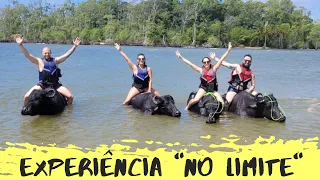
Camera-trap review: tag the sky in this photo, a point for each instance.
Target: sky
(310, 5)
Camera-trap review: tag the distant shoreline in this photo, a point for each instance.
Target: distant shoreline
(141, 44)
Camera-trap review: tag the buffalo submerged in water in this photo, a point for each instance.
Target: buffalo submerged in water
(243, 104)
(44, 102)
(208, 106)
(149, 103)
(257, 106)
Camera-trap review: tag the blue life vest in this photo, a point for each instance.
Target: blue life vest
(141, 80)
(50, 72)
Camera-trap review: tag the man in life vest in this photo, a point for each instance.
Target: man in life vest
(241, 75)
(49, 73)
(142, 76)
(208, 77)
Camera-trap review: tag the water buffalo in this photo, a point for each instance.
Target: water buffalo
(44, 102)
(150, 104)
(207, 106)
(257, 106)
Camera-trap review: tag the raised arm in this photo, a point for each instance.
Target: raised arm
(253, 83)
(131, 65)
(33, 59)
(223, 63)
(196, 68)
(217, 66)
(150, 79)
(62, 58)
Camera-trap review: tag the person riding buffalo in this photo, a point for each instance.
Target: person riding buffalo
(142, 76)
(49, 73)
(241, 75)
(208, 76)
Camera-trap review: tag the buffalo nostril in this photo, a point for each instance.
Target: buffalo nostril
(24, 111)
(211, 119)
(178, 113)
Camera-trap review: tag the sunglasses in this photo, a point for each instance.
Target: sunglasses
(206, 62)
(246, 60)
(141, 58)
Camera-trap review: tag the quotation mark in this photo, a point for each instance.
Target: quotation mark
(178, 155)
(298, 155)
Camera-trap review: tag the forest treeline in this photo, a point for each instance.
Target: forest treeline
(195, 23)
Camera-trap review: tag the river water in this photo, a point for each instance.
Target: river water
(99, 79)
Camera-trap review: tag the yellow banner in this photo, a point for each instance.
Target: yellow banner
(264, 159)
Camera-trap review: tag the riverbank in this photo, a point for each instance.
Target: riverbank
(138, 44)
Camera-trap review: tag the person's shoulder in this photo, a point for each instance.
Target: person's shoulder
(40, 59)
(236, 66)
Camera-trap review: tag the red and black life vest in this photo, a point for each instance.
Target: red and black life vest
(240, 81)
(209, 79)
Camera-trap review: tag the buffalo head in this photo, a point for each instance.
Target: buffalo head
(213, 111)
(267, 106)
(208, 106)
(43, 102)
(164, 105)
(272, 109)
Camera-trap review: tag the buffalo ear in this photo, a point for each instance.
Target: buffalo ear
(50, 92)
(157, 100)
(253, 106)
(169, 98)
(154, 100)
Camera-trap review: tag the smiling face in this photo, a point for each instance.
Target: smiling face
(206, 62)
(141, 59)
(46, 52)
(247, 59)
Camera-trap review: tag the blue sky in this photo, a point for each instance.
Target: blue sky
(311, 5)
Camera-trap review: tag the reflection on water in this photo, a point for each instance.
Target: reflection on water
(101, 82)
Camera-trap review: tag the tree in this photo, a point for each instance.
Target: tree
(209, 23)
(314, 36)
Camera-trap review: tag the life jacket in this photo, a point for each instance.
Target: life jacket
(240, 81)
(209, 79)
(141, 80)
(50, 73)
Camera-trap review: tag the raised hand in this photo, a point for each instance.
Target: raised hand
(19, 39)
(229, 45)
(76, 42)
(212, 55)
(117, 46)
(178, 54)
